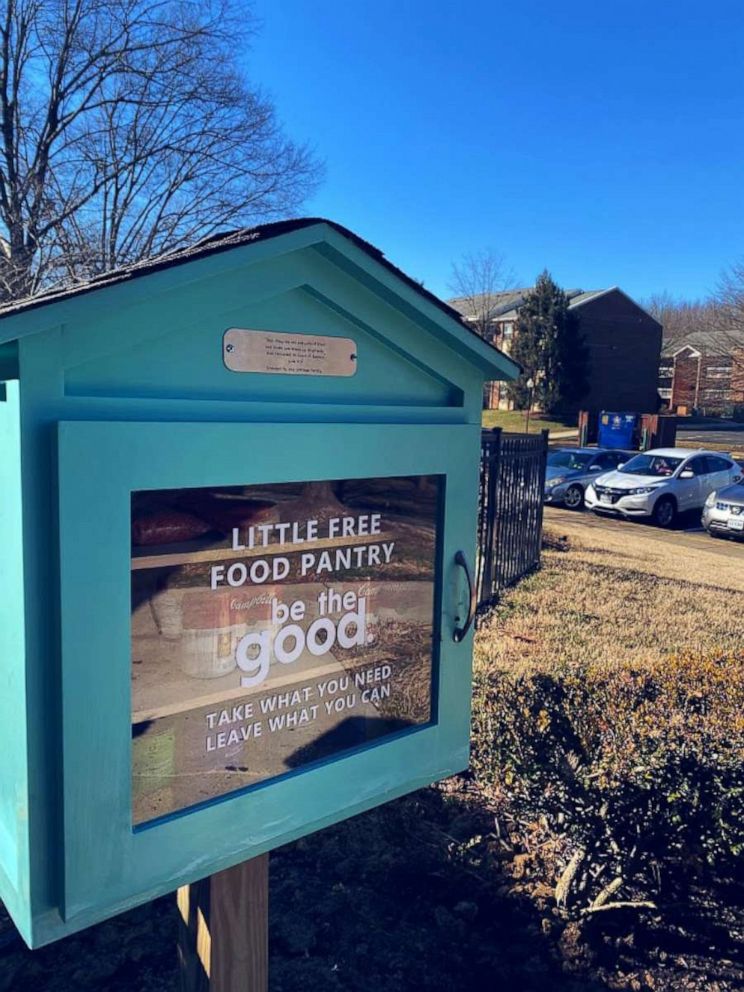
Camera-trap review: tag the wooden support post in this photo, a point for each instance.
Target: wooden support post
(223, 941)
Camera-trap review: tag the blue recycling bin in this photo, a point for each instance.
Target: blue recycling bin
(617, 430)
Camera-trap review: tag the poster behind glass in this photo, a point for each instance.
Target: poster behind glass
(273, 626)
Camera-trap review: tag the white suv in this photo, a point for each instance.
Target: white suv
(662, 483)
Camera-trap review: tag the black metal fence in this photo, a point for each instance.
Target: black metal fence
(510, 510)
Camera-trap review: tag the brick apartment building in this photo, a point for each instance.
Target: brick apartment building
(704, 373)
(623, 341)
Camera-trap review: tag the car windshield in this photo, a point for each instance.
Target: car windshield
(571, 461)
(661, 466)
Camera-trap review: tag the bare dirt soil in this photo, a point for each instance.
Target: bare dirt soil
(420, 895)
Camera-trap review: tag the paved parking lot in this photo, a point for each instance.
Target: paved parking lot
(702, 438)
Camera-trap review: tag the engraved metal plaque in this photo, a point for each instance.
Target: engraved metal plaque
(281, 353)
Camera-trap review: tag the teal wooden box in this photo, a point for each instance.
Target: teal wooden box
(120, 386)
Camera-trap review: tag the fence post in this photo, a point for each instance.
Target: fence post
(541, 505)
(489, 508)
(510, 520)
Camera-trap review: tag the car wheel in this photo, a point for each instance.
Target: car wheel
(574, 498)
(665, 512)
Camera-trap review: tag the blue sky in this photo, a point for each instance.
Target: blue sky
(602, 140)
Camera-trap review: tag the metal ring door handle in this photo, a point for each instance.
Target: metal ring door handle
(460, 632)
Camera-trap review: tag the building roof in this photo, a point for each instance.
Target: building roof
(212, 245)
(506, 305)
(498, 304)
(226, 241)
(705, 342)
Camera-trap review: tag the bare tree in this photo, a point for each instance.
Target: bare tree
(719, 317)
(477, 282)
(681, 318)
(729, 300)
(129, 129)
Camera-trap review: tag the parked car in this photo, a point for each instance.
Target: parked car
(662, 483)
(723, 513)
(570, 470)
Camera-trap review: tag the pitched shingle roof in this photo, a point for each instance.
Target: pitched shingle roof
(506, 304)
(212, 245)
(707, 342)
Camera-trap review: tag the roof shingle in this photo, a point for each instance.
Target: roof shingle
(213, 245)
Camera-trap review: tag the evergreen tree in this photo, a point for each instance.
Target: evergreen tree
(549, 346)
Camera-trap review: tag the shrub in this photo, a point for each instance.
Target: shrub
(633, 765)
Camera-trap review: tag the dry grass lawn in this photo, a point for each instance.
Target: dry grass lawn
(608, 738)
(618, 595)
(516, 421)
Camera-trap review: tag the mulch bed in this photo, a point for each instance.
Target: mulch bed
(422, 895)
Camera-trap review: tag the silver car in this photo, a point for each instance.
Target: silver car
(662, 483)
(723, 513)
(570, 470)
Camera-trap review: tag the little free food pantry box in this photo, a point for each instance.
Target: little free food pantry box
(238, 492)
